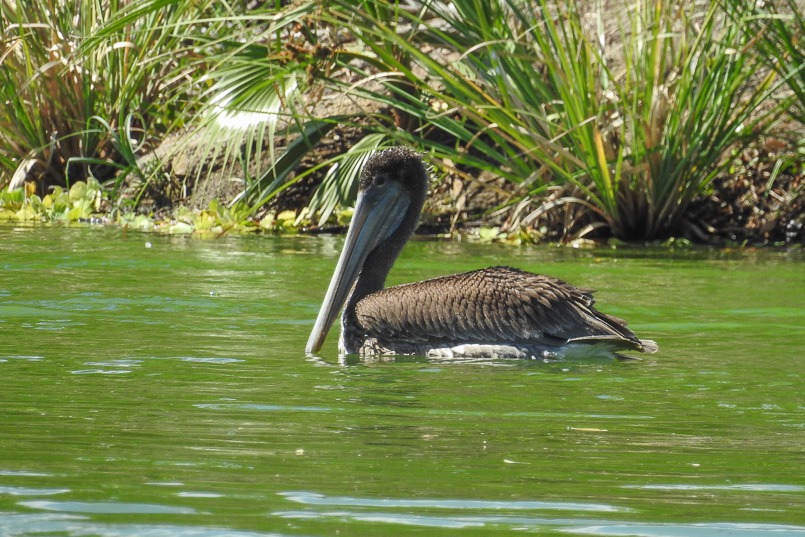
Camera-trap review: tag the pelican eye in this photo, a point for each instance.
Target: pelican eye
(380, 179)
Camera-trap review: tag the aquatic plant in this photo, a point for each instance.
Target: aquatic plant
(88, 202)
(82, 201)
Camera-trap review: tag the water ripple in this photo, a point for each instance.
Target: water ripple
(206, 360)
(387, 518)
(25, 491)
(24, 525)
(123, 362)
(566, 525)
(229, 406)
(99, 371)
(108, 507)
(312, 498)
(711, 529)
(194, 494)
(764, 487)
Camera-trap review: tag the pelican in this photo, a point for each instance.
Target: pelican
(492, 312)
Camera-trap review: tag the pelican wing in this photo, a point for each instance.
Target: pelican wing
(494, 305)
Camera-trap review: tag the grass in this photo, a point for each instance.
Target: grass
(779, 31)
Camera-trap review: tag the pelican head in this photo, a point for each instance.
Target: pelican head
(391, 194)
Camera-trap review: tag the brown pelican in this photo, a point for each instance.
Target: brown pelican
(492, 312)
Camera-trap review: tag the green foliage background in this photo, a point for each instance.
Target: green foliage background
(624, 110)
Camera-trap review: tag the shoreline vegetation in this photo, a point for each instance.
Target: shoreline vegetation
(643, 121)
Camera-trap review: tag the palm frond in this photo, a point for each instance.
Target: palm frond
(340, 184)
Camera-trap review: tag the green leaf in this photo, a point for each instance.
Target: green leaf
(340, 184)
(274, 179)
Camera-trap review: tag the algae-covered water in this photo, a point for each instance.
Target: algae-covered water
(156, 385)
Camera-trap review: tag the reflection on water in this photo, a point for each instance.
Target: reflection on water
(568, 525)
(565, 525)
(706, 529)
(25, 491)
(19, 525)
(220, 406)
(191, 494)
(320, 499)
(165, 391)
(106, 507)
(749, 486)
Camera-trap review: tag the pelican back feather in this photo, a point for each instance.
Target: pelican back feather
(494, 305)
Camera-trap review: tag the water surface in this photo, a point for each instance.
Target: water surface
(156, 385)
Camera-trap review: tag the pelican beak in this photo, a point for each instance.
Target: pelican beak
(379, 211)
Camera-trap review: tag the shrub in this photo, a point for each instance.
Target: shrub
(637, 106)
(72, 111)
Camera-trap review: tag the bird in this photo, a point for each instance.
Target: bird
(497, 312)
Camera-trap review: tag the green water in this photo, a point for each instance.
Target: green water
(158, 386)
